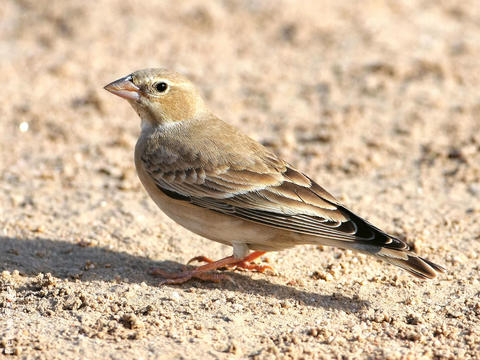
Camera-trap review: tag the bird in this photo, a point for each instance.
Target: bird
(214, 180)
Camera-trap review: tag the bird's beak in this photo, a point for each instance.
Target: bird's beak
(124, 88)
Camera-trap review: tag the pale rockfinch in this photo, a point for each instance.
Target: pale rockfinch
(217, 182)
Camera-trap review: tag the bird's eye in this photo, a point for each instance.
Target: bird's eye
(161, 87)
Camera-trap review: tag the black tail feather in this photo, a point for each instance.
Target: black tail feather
(415, 265)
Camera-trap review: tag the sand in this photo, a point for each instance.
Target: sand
(377, 101)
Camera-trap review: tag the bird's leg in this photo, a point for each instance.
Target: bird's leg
(201, 272)
(246, 262)
(200, 258)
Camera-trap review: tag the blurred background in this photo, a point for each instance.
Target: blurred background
(301, 76)
(377, 100)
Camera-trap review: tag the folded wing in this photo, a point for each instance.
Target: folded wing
(274, 194)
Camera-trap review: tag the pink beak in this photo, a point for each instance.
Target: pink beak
(124, 88)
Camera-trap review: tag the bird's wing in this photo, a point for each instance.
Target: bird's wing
(267, 191)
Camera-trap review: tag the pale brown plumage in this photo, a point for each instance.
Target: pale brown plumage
(219, 183)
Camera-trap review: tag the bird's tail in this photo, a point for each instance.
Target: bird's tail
(414, 264)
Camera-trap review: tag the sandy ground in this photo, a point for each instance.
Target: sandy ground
(378, 101)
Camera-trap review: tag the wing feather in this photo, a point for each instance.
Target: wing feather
(256, 186)
(289, 206)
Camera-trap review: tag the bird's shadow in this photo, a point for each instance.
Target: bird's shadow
(66, 260)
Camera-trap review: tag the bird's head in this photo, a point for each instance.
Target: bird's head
(159, 96)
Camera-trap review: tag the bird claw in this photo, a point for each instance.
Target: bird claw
(200, 258)
(203, 272)
(246, 265)
(255, 267)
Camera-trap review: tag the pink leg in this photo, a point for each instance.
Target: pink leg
(198, 273)
(245, 263)
(201, 272)
(200, 258)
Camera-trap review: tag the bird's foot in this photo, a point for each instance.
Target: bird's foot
(202, 272)
(252, 266)
(245, 263)
(248, 264)
(200, 258)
